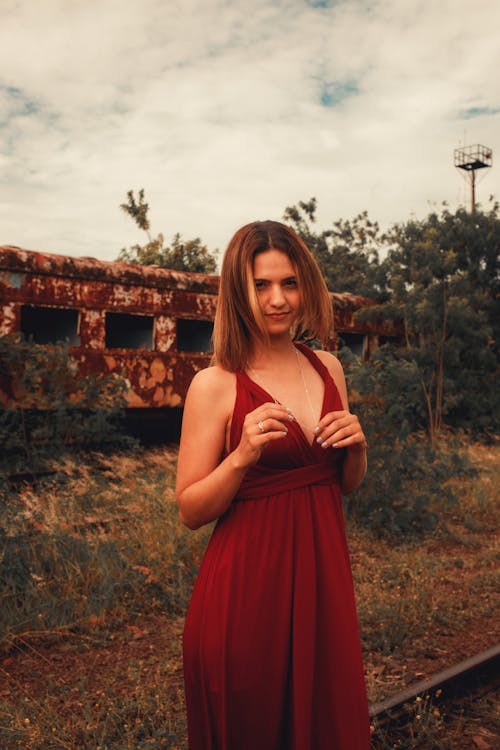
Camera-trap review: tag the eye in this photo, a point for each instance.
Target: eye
(291, 283)
(260, 284)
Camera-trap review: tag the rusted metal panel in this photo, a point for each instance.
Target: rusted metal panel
(92, 329)
(9, 317)
(157, 376)
(90, 269)
(52, 290)
(345, 321)
(153, 379)
(165, 333)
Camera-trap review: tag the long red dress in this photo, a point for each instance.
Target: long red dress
(272, 657)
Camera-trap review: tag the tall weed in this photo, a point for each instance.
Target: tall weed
(97, 541)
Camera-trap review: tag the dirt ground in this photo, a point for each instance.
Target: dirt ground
(70, 674)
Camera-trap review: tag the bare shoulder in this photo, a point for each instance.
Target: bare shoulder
(331, 362)
(213, 379)
(215, 386)
(334, 366)
(208, 409)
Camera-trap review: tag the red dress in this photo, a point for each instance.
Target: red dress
(272, 657)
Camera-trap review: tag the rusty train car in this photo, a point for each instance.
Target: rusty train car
(151, 325)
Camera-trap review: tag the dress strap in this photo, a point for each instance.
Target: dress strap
(313, 358)
(334, 400)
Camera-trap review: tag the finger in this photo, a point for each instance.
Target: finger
(261, 439)
(349, 423)
(330, 437)
(270, 411)
(340, 442)
(270, 424)
(341, 430)
(278, 409)
(332, 416)
(274, 435)
(343, 439)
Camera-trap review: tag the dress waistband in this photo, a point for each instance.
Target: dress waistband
(271, 481)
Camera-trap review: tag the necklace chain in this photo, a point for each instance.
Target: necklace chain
(306, 389)
(304, 383)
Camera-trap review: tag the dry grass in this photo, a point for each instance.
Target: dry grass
(423, 606)
(101, 572)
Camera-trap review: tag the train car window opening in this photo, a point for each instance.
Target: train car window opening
(356, 342)
(50, 325)
(194, 335)
(394, 340)
(124, 331)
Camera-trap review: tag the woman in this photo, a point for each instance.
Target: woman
(272, 658)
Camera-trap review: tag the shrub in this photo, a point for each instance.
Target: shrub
(408, 486)
(46, 405)
(410, 478)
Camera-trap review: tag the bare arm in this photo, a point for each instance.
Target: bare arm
(344, 430)
(207, 482)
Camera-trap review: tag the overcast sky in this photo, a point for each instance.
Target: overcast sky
(226, 111)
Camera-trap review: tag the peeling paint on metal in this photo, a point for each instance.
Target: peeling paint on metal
(165, 330)
(9, 318)
(92, 329)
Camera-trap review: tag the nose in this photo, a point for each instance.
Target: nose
(277, 296)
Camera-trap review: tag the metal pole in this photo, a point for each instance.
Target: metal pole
(473, 191)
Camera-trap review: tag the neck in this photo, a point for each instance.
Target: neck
(266, 354)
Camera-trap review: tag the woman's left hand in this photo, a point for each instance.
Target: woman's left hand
(340, 429)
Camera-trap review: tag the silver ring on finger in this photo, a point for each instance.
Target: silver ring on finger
(260, 425)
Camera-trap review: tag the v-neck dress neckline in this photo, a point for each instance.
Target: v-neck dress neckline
(324, 374)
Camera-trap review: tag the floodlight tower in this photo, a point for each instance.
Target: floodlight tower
(470, 159)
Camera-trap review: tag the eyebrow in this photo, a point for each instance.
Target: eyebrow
(285, 278)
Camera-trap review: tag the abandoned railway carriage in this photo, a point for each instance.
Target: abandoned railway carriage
(152, 325)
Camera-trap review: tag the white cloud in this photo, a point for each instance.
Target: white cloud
(216, 108)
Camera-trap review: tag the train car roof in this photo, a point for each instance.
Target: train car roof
(49, 264)
(16, 259)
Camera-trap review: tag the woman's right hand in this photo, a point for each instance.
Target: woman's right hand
(261, 426)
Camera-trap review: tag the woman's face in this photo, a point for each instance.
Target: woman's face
(277, 289)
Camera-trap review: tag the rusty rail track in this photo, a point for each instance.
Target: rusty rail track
(475, 676)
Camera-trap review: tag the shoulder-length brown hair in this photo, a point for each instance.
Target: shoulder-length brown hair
(238, 319)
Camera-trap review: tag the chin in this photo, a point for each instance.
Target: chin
(279, 330)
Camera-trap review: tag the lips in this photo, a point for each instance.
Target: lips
(277, 316)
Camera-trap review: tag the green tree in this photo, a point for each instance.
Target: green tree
(443, 275)
(181, 255)
(348, 252)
